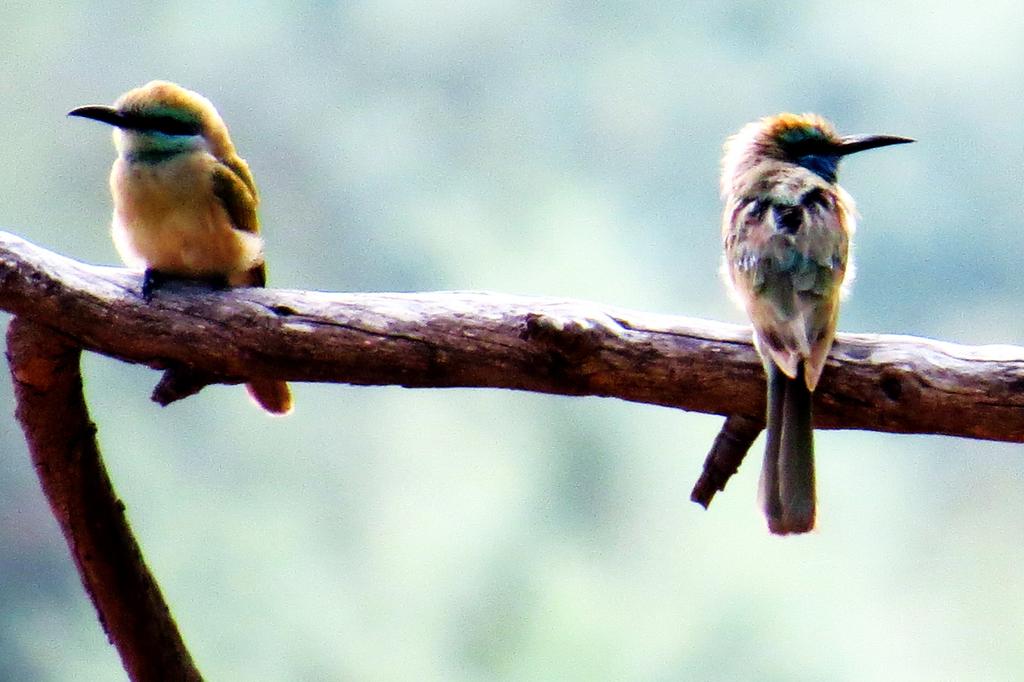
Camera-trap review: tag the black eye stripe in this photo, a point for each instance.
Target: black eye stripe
(167, 125)
(807, 147)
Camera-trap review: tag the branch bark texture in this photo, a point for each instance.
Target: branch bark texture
(62, 439)
(875, 382)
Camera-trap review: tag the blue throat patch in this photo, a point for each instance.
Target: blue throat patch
(824, 165)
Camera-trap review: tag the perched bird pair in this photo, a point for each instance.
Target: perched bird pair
(786, 232)
(185, 206)
(184, 201)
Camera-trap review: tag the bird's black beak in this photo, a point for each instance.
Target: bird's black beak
(859, 143)
(101, 113)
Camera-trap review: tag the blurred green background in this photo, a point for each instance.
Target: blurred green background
(561, 149)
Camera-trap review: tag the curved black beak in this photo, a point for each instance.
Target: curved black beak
(101, 113)
(852, 144)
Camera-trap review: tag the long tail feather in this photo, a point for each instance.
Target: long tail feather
(273, 396)
(796, 459)
(769, 486)
(787, 479)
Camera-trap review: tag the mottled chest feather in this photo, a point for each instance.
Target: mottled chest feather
(788, 243)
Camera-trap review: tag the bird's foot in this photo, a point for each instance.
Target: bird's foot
(156, 279)
(151, 281)
(217, 282)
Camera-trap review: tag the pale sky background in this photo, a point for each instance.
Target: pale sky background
(559, 149)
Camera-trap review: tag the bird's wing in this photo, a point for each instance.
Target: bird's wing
(240, 168)
(788, 260)
(238, 199)
(825, 239)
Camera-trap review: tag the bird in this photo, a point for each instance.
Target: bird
(184, 200)
(787, 227)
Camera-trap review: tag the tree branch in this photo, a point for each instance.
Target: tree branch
(876, 382)
(62, 439)
(737, 434)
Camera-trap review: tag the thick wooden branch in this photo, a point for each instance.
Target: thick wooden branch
(876, 382)
(737, 434)
(62, 439)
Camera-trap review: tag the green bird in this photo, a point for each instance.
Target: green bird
(786, 232)
(184, 201)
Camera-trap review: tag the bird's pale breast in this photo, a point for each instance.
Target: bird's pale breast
(167, 217)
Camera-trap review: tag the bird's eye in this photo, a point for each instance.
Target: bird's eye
(161, 123)
(798, 143)
(804, 147)
(170, 125)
